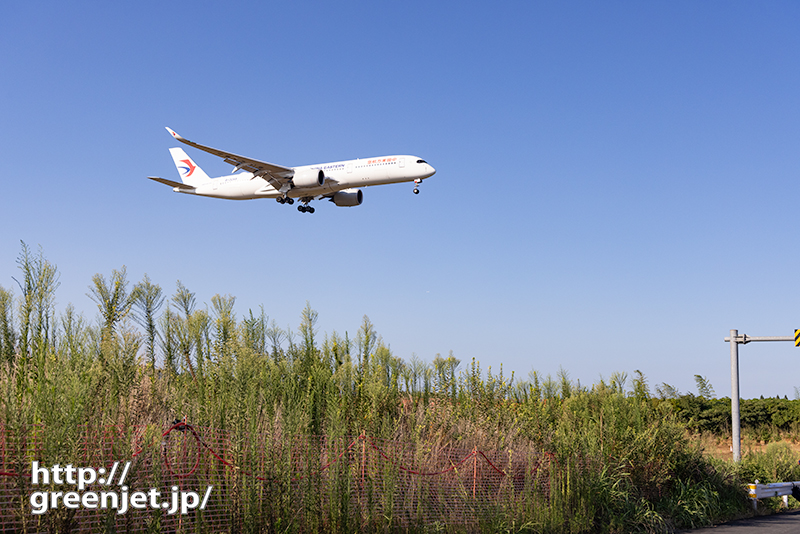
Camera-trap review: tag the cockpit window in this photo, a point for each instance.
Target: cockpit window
(421, 161)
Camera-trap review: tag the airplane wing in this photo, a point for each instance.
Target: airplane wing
(171, 183)
(276, 175)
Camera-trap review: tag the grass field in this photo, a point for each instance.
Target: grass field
(623, 461)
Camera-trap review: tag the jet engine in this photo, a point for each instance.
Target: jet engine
(308, 178)
(348, 197)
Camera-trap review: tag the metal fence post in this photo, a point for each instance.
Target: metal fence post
(474, 468)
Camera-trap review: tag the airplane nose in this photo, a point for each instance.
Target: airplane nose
(431, 170)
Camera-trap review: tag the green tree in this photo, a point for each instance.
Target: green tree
(565, 383)
(704, 388)
(113, 300)
(276, 336)
(149, 299)
(366, 341)
(185, 301)
(666, 391)
(445, 369)
(224, 321)
(308, 332)
(254, 332)
(170, 344)
(7, 335)
(200, 333)
(640, 388)
(75, 336)
(37, 306)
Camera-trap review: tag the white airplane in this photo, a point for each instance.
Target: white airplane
(337, 181)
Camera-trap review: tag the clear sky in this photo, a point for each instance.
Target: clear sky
(616, 186)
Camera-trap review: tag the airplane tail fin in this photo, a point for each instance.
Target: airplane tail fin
(190, 173)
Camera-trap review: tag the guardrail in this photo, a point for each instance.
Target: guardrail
(776, 489)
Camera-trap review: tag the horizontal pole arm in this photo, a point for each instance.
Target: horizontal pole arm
(744, 339)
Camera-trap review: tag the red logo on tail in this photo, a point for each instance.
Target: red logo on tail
(189, 169)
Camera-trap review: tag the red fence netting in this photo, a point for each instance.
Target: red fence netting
(305, 480)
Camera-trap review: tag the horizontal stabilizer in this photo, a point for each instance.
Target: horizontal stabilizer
(172, 183)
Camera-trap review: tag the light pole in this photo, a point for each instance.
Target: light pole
(735, 429)
(735, 340)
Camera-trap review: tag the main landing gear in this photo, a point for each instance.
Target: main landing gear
(416, 186)
(304, 207)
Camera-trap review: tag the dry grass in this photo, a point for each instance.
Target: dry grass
(720, 448)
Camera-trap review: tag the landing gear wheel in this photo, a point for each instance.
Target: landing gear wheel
(301, 209)
(310, 209)
(290, 201)
(280, 200)
(416, 191)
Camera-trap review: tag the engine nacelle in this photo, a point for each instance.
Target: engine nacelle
(308, 178)
(348, 197)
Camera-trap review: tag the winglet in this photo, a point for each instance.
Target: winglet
(174, 134)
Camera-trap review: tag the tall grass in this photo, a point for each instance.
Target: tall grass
(617, 460)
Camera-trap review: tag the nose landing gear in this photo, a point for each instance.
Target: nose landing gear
(416, 186)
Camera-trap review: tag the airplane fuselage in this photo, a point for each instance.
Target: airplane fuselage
(339, 175)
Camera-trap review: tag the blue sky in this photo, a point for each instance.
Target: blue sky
(616, 182)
